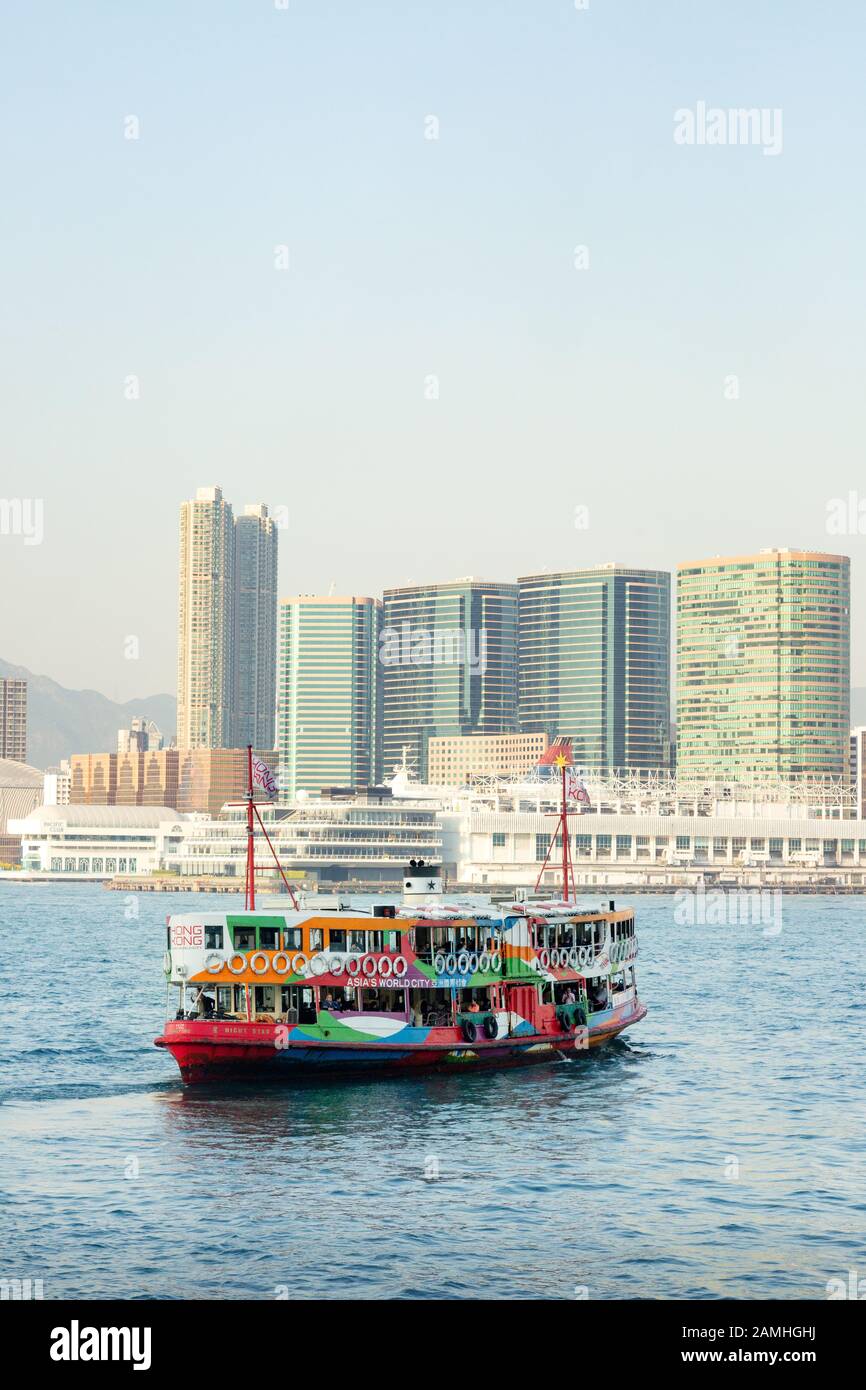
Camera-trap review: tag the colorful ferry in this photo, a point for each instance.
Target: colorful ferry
(427, 985)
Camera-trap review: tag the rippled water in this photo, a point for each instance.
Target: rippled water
(716, 1151)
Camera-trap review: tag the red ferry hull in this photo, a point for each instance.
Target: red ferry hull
(210, 1052)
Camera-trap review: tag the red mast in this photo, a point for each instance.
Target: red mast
(251, 849)
(563, 762)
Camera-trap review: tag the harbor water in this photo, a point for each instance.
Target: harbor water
(715, 1151)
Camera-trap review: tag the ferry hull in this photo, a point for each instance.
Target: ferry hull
(253, 1054)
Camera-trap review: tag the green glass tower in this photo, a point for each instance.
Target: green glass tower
(448, 656)
(763, 678)
(594, 654)
(329, 693)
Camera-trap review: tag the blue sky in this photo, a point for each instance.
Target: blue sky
(411, 258)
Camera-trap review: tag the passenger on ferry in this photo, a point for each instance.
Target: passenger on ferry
(569, 997)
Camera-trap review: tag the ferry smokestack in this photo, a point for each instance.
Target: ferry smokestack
(422, 880)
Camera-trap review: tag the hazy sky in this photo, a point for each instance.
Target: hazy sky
(603, 387)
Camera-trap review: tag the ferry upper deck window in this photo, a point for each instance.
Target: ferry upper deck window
(269, 936)
(316, 938)
(357, 942)
(293, 938)
(337, 939)
(213, 938)
(245, 938)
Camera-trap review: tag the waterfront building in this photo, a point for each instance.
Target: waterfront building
(448, 655)
(13, 719)
(206, 622)
(93, 780)
(763, 665)
(594, 659)
(94, 842)
(363, 839)
(329, 693)
(255, 642)
(455, 761)
(20, 793)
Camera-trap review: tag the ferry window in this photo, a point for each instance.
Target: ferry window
(375, 939)
(224, 999)
(245, 938)
(356, 942)
(316, 938)
(269, 936)
(337, 939)
(392, 941)
(292, 936)
(213, 938)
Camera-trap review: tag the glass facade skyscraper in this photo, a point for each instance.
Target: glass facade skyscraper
(255, 653)
(329, 693)
(448, 656)
(594, 655)
(763, 670)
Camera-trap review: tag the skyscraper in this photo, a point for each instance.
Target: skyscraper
(205, 649)
(594, 650)
(329, 693)
(448, 655)
(763, 673)
(255, 642)
(13, 719)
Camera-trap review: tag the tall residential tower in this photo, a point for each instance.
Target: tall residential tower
(206, 618)
(595, 663)
(763, 668)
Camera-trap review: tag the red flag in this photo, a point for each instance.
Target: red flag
(558, 754)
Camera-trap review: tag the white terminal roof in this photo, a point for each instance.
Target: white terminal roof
(15, 774)
(147, 817)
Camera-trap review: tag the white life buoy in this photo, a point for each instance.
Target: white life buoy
(473, 962)
(166, 962)
(554, 958)
(335, 965)
(237, 969)
(318, 964)
(400, 965)
(353, 965)
(368, 961)
(451, 964)
(439, 963)
(463, 963)
(484, 962)
(544, 957)
(385, 965)
(572, 958)
(277, 963)
(496, 962)
(296, 968)
(259, 955)
(584, 955)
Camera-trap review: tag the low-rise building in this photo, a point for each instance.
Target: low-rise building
(454, 761)
(94, 842)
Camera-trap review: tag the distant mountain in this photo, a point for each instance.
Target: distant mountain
(61, 721)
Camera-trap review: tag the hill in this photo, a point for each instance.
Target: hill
(61, 721)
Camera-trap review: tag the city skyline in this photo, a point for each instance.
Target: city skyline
(691, 379)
